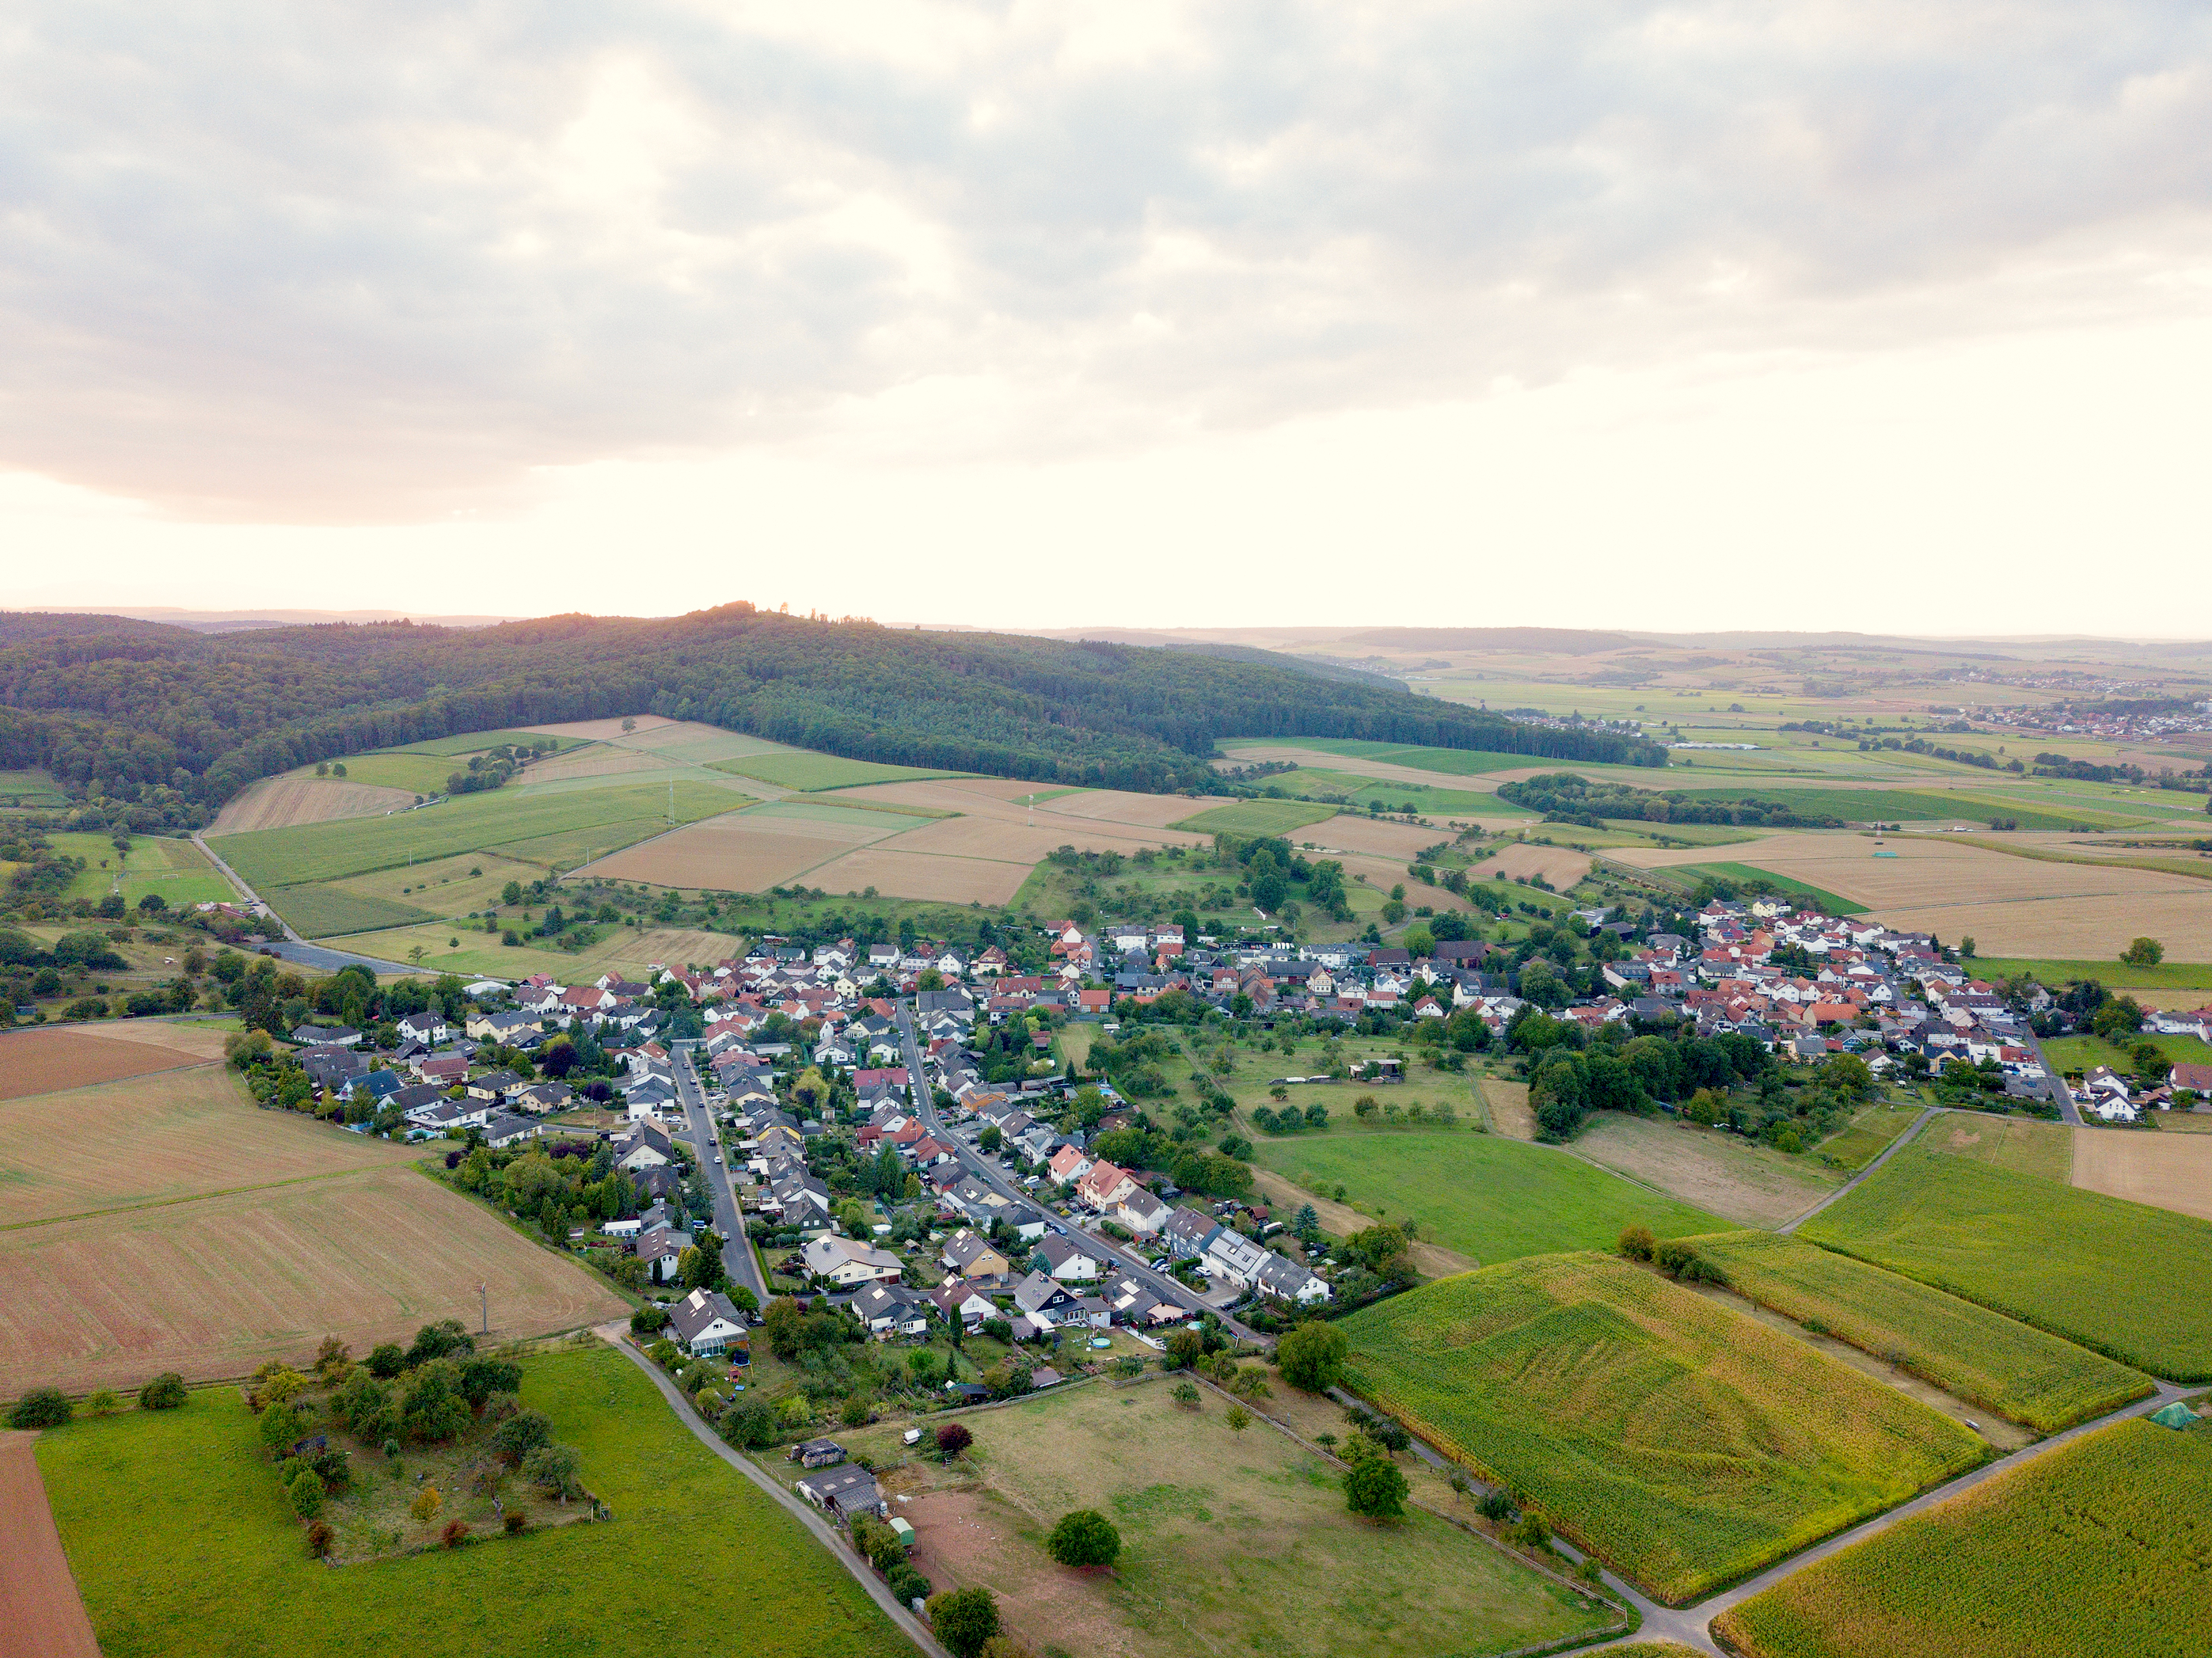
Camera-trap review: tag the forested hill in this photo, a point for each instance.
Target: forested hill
(180, 721)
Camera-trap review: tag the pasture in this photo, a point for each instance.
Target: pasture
(1490, 1198)
(1230, 1541)
(1725, 1175)
(182, 1542)
(2011, 1367)
(1859, 1142)
(2011, 907)
(1829, 902)
(1684, 1443)
(2119, 1277)
(213, 1286)
(177, 871)
(2095, 1548)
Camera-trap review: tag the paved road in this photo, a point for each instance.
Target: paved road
(292, 947)
(729, 1217)
(1691, 1624)
(1888, 1152)
(2060, 1094)
(1099, 1248)
(806, 1513)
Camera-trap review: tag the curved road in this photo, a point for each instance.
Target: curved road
(291, 947)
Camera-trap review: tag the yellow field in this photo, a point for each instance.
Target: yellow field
(287, 802)
(1721, 1174)
(2010, 906)
(1561, 866)
(2043, 1149)
(2168, 1171)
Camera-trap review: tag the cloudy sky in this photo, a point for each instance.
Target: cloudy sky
(1843, 313)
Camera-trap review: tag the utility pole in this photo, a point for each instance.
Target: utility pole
(484, 1298)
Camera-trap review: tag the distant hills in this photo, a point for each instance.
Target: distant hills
(169, 722)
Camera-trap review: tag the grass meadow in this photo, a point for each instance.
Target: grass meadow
(2122, 1279)
(1230, 1542)
(177, 869)
(1828, 902)
(321, 912)
(2028, 1374)
(1485, 1196)
(2098, 1547)
(184, 1546)
(2113, 975)
(1684, 1443)
(1257, 817)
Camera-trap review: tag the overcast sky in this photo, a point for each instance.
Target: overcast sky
(1883, 315)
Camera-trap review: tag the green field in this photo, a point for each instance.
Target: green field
(563, 826)
(1361, 790)
(1915, 805)
(797, 770)
(1485, 1196)
(30, 788)
(184, 1546)
(2114, 975)
(323, 912)
(2073, 1054)
(1786, 885)
(2006, 1366)
(469, 743)
(1452, 762)
(2021, 1145)
(1256, 817)
(175, 869)
(418, 773)
(2097, 1548)
(1868, 1134)
(2124, 1279)
(1684, 1443)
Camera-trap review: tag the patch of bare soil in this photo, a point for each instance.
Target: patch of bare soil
(2168, 1172)
(56, 1057)
(41, 1615)
(970, 1536)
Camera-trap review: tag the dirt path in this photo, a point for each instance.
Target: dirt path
(1433, 1259)
(1888, 1152)
(41, 1614)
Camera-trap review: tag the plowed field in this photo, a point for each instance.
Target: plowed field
(287, 802)
(68, 1056)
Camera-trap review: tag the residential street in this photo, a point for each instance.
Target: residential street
(729, 1218)
(1099, 1247)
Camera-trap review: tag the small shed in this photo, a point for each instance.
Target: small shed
(903, 1531)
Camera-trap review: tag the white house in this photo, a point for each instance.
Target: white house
(843, 1261)
(706, 1322)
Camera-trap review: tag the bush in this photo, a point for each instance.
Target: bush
(426, 1504)
(482, 1377)
(1529, 1533)
(1637, 1243)
(908, 1584)
(102, 1401)
(953, 1438)
(319, 1539)
(963, 1619)
(306, 1492)
(455, 1533)
(516, 1521)
(1186, 1394)
(1496, 1506)
(42, 1407)
(386, 1361)
(1084, 1538)
(166, 1391)
(1374, 1487)
(645, 1320)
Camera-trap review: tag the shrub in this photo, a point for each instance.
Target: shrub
(102, 1401)
(456, 1531)
(306, 1492)
(645, 1320)
(319, 1539)
(387, 1360)
(1637, 1243)
(42, 1407)
(482, 1377)
(908, 1584)
(1374, 1487)
(516, 1521)
(519, 1434)
(1085, 1537)
(1497, 1506)
(953, 1438)
(426, 1504)
(1186, 1394)
(1529, 1533)
(166, 1391)
(963, 1619)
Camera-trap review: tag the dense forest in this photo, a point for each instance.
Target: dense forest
(171, 722)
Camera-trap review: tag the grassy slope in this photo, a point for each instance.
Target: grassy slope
(1914, 806)
(799, 769)
(1485, 1196)
(1686, 1443)
(2122, 1279)
(183, 1545)
(1788, 885)
(2097, 1548)
(2011, 1367)
(2080, 1053)
(1256, 817)
(2114, 975)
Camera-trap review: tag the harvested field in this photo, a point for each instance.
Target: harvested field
(56, 1057)
(746, 850)
(604, 731)
(1724, 1174)
(1683, 1443)
(2011, 906)
(2096, 1548)
(1398, 841)
(2168, 1171)
(1561, 866)
(157, 1138)
(1121, 806)
(1387, 771)
(929, 875)
(39, 1607)
(690, 743)
(1009, 840)
(213, 1287)
(598, 760)
(2047, 1150)
(662, 946)
(1230, 1542)
(1510, 1113)
(277, 803)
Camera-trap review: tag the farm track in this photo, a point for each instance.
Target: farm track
(1888, 1152)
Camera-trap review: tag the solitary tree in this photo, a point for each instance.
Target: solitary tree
(1374, 1488)
(963, 1619)
(1239, 1418)
(2143, 952)
(1084, 1538)
(953, 1438)
(1312, 1356)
